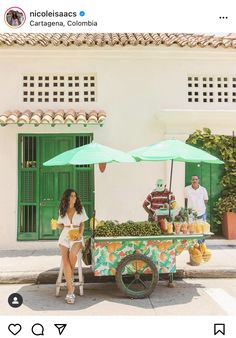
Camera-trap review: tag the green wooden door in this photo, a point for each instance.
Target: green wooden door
(53, 181)
(210, 175)
(40, 188)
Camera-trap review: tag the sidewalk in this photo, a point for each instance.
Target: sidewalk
(42, 266)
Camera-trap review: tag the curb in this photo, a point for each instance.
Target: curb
(49, 277)
(208, 273)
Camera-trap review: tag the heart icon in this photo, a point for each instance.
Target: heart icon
(14, 328)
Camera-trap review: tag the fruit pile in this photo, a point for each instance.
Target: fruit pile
(199, 253)
(129, 228)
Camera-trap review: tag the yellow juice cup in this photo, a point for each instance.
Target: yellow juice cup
(169, 228)
(198, 228)
(53, 224)
(203, 227)
(207, 228)
(194, 227)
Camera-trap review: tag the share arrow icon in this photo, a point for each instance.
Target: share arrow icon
(61, 328)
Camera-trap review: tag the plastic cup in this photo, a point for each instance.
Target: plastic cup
(203, 228)
(53, 224)
(198, 228)
(177, 228)
(185, 228)
(207, 228)
(191, 228)
(169, 228)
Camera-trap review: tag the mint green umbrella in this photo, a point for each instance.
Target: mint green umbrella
(92, 153)
(173, 150)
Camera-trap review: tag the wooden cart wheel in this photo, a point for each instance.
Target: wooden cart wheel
(136, 276)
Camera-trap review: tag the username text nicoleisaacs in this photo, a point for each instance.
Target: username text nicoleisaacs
(52, 14)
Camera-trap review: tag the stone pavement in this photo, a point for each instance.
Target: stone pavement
(41, 266)
(191, 296)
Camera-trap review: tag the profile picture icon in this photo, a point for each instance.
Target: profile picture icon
(15, 17)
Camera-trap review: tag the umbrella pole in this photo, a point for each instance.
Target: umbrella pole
(171, 173)
(94, 215)
(94, 211)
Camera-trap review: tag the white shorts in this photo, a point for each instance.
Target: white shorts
(65, 241)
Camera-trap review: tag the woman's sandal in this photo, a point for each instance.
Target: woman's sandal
(70, 298)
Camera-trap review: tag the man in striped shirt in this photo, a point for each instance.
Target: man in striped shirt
(157, 199)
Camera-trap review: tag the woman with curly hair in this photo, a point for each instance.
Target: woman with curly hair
(71, 215)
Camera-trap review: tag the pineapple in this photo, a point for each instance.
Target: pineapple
(206, 256)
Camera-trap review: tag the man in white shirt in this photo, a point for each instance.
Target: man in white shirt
(196, 197)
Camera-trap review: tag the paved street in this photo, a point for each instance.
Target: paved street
(189, 297)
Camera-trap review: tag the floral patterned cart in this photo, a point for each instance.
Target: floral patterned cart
(136, 262)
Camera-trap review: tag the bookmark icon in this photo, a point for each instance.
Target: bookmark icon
(61, 328)
(219, 328)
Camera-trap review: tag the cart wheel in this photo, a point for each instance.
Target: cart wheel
(136, 276)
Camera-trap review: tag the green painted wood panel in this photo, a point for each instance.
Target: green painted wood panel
(27, 188)
(53, 182)
(210, 176)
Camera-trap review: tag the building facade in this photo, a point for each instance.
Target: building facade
(121, 90)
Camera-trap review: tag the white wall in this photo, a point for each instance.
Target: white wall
(143, 91)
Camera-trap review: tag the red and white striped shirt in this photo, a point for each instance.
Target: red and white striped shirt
(156, 199)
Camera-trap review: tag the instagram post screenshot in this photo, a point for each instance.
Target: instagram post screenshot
(118, 169)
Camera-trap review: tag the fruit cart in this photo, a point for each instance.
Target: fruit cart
(136, 262)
